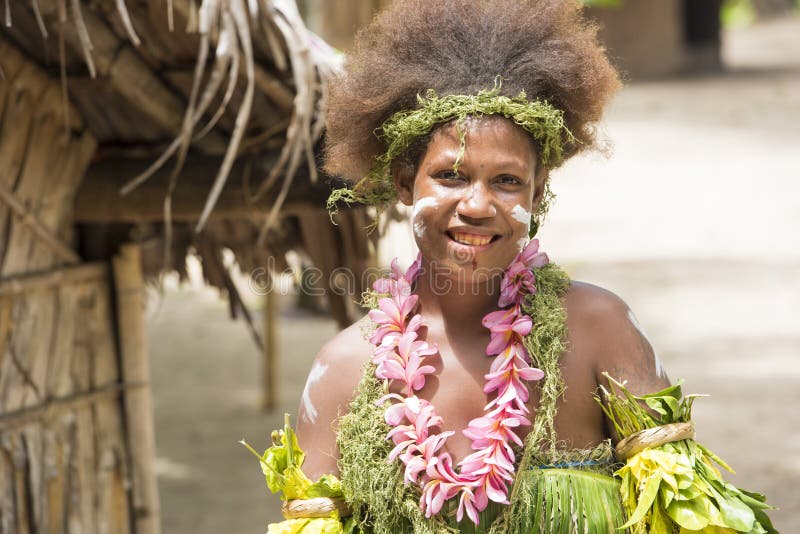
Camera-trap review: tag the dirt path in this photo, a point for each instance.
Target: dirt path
(694, 221)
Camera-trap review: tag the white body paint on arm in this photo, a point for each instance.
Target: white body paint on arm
(310, 413)
(635, 322)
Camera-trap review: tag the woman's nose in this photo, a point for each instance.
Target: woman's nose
(477, 203)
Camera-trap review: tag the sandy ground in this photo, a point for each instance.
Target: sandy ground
(694, 221)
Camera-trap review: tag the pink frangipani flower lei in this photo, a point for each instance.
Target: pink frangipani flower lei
(399, 355)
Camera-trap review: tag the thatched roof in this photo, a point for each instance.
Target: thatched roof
(207, 115)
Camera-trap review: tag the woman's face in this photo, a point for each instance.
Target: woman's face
(475, 219)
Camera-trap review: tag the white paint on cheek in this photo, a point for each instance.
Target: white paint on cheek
(421, 205)
(635, 322)
(419, 229)
(309, 410)
(521, 214)
(522, 243)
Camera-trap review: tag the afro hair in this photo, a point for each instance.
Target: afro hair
(542, 47)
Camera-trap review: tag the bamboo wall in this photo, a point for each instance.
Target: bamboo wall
(63, 446)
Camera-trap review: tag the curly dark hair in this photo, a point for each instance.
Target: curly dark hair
(543, 47)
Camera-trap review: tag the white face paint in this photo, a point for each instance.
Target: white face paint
(419, 229)
(309, 411)
(522, 243)
(521, 214)
(635, 322)
(421, 205)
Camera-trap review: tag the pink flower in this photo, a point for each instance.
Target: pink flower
(391, 316)
(413, 269)
(497, 456)
(508, 381)
(411, 273)
(407, 436)
(395, 413)
(412, 354)
(422, 456)
(471, 503)
(397, 281)
(499, 424)
(513, 354)
(436, 491)
(496, 487)
(519, 279)
(503, 325)
(383, 285)
(419, 413)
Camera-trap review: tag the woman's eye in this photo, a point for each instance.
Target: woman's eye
(449, 175)
(509, 180)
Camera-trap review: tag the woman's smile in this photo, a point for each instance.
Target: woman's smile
(470, 239)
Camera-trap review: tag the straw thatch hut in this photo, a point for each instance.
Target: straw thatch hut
(131, 132)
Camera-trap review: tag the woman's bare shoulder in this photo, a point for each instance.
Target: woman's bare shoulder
(330, 386)
(590, 302)
(336, 370)
(610, 339)
(349, 349)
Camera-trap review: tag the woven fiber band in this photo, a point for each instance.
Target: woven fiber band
(319, 507)
(653, 437)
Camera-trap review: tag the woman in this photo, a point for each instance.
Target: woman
(478, 365)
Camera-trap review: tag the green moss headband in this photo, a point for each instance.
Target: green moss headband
(540, 119)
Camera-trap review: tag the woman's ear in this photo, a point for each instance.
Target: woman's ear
(403, 177)
(539, 182)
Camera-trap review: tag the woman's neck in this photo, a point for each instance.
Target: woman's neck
(460, 299)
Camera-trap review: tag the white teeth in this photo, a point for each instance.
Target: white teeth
(472, 239)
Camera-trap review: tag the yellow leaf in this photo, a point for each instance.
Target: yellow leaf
(320, 525)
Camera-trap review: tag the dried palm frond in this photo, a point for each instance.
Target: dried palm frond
(225, 64)
(242, 25)
(311, 61)
(233, 19)
(83, 36)
(170, 15)
(37, 13)
(62, 62)
(125, 17)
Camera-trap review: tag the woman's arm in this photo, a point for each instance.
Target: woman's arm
(329, 388)
(615, 341)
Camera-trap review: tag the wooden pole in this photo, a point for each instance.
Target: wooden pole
(270, 353)
(129, 285)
